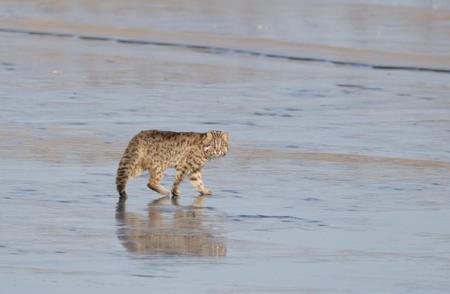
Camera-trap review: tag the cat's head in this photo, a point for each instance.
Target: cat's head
(215, 143)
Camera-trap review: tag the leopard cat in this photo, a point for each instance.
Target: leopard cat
(155, 151)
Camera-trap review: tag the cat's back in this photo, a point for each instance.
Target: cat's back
(157, 137)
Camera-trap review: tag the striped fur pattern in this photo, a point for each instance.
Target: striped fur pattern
(155, 151)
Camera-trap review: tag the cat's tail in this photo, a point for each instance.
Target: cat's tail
(129, 168)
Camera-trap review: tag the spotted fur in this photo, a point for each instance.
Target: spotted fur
(155, 151)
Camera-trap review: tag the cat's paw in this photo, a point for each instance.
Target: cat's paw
(176, 192)
(206, 192)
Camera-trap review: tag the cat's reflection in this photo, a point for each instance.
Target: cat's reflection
(169, 229)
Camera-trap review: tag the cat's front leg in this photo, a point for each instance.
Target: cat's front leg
(197, 181)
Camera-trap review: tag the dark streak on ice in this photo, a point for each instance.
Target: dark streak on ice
(224, 50)
(282, 218)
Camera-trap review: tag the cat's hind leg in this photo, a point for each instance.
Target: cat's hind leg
(154, 182)
(197, 181)
(181, 173)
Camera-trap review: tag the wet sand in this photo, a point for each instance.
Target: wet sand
(337, 177)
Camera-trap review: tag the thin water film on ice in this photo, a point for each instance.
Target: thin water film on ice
(337, 174)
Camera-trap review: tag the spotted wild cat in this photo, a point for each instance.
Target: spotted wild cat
(155, 151)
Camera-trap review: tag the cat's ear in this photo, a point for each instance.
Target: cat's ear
(209, 136)
(225, 136)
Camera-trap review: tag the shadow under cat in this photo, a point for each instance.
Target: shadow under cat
(170, 229)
